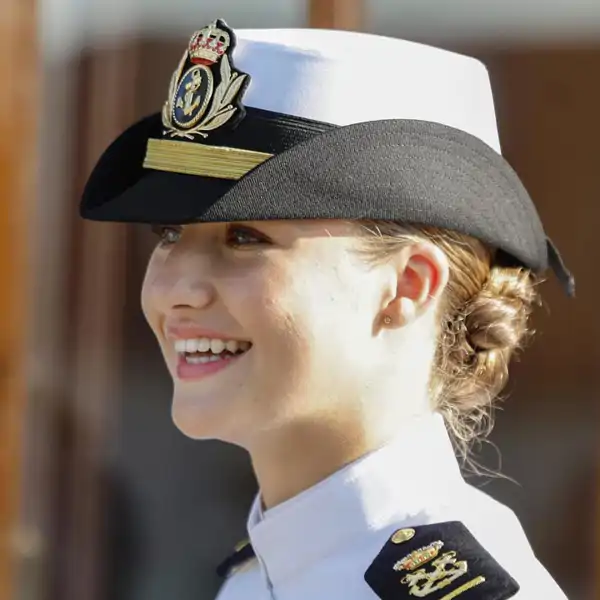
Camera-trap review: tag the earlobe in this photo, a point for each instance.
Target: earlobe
(405, 312)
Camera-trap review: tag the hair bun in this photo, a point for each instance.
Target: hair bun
(496, 318)
(480, 341)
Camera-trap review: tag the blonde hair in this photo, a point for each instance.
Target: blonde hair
(483, 320)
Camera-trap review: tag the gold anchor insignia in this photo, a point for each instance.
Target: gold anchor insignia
(190, 101)
(189, 98)
(192, 92)
(445, 570)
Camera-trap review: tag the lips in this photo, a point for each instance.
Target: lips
(192, 370)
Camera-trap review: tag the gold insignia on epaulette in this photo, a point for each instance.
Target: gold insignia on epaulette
(441, 561)
(419, 557)
(205, 90)
(441, 572)
(403, 535)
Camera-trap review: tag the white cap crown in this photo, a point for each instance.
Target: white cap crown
(344, 77)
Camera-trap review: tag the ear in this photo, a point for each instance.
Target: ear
(422, 272)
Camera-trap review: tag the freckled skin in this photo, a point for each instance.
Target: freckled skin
(294, 298)
(323, 382)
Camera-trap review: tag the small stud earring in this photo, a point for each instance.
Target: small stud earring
(387, 320)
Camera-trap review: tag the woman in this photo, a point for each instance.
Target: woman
(341, 278)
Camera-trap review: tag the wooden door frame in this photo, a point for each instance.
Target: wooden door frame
(19, 103)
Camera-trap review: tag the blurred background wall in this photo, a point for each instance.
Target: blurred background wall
(114, 501)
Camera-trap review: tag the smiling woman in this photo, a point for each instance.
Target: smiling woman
(344, 307)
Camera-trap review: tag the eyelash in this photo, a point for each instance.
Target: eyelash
(251, 236)
(255, 236)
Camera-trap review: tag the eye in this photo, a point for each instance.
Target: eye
(241, 235)
(168, 234)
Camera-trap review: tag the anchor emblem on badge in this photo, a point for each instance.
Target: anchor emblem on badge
(205, 90)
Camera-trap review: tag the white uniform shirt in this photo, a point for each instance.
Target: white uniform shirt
(318, 545)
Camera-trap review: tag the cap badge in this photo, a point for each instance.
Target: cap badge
(205, 90)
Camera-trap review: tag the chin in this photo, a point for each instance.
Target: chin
(211, 418)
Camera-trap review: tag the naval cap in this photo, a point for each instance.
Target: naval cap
(319, 124)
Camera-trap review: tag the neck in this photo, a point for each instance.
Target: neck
(293, 459)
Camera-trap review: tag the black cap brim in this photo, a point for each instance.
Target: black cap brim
(411, 171)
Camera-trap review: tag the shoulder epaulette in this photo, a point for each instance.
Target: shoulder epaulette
(442, 561)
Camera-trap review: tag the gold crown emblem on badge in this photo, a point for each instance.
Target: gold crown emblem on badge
(419, 557)
(209, 44)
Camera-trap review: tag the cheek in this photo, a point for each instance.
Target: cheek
(259, 298)
(296, 315)
(330, 311)
(150, 293)
(265, 301)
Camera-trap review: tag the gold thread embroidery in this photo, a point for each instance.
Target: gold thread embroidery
(221, 109)
(192, 103)
(200, 159)
(184, 113)
(419, 557)
(421, 583)
(464, 588)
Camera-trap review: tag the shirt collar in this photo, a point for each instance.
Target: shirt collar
(387, 486)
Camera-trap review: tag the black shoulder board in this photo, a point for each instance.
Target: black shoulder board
(438, 562)
(243, 552)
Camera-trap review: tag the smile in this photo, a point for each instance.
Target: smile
(200, 357)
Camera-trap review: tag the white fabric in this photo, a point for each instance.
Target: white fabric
(319, 544)
(343, 77)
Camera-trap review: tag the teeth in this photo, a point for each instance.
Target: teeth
(198, 360)
(232, 346)
(203, 345)
(216, 346)
(202, 360)
(191, 345)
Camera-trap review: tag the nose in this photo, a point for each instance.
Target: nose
(183, 282)
(189, 293)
